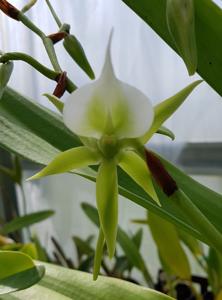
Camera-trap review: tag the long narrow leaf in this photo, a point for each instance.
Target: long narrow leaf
(25, 221)
(65, 284)
(208, 23)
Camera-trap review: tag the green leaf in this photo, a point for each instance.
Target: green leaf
(25, 221)
(193, 244)
(35, 133)
(165, 109)
(137, 238)
(65, 284)
(181, 25)
(208, 23)
(30, 249)
(107, 202)
(42, 254)
(83, 247)
(168, 244)
(17, 272)
(214, 269)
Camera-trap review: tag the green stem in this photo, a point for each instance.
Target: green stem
(98, 254)
(46, 41)
(51, 53)
(198, 219)
(55, 16)
(38, 66)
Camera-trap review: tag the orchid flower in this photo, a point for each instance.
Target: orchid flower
(113, 120)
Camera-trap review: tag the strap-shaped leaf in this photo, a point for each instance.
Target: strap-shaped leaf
(181, 25)
(17, 272)
(165, 109)
(65, 284)
(168, 244)
(69, 160)
(136, 168)
(107, 202)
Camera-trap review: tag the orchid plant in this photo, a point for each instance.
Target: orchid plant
(113, 120)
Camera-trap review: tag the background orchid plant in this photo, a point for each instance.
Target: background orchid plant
(113, 120)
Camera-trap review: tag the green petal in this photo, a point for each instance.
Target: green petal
(107, 202)
(98, 254)
(181, 25)
(136, 168)
(69, 160)
(55, 101)
(165, 109)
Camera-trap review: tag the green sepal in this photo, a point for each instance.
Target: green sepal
(5, 74)
(71, 159)
(181, 25)
(165, 109)
(55, 101)
(107, 202)
(98, 254)
(136, 168)
(75, 50)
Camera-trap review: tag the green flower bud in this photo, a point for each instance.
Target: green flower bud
(181, 25)
(75, 50)
(5, 73)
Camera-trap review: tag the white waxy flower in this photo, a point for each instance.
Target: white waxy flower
(113, 120)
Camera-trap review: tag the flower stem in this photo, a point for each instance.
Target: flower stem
(198, 219)
(46, 41)
(51, 74)
(55, 16)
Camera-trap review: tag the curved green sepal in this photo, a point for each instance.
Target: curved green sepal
(169, 247)
(167, 132)
(181, 25)
(55, 101)
(165, 109)
(107, 202)
(136, 168)
(75, 50)
(71, 159)
(98, 254)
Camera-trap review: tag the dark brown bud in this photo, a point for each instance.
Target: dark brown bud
(9, 10)
(57, 37)
(61, 85)
(160, 174)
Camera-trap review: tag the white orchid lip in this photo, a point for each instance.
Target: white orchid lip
(108, 106)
